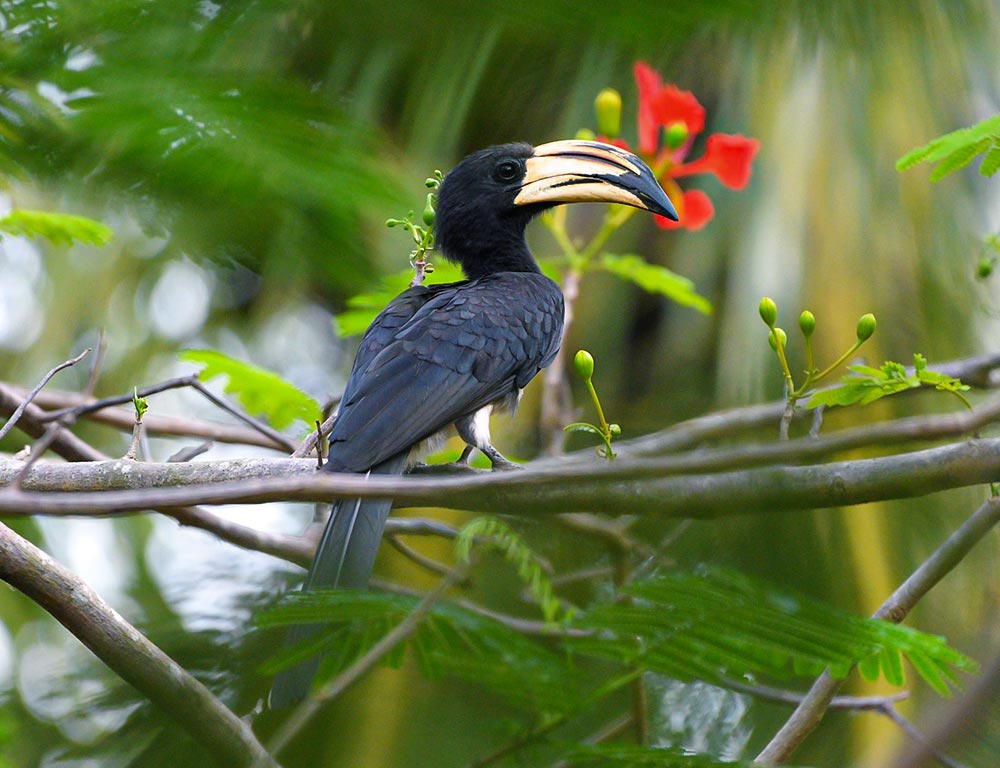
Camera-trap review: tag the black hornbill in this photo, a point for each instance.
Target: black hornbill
(442, 355)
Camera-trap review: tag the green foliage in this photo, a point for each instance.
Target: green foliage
(493, 533)
(865, 384)
(957, 149)
(716, 623)
(363, 308)
(140, 404)
(57, 228)
(260, 392)
(451, 640)
(654, 279)
(710, 626)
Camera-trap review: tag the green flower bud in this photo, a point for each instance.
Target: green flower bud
(775, 336)
(585, 134)
(675, 135)
(985, 267)
(429, 214)
(768, 312)
(807, 323)
(866, 327)
(615, 430)
(584, 364)
(608, 106)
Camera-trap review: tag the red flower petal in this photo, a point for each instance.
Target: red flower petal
(695, 211)
(672, 105)
(648, 82)
(730, 158)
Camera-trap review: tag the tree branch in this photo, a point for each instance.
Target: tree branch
(812, 708)
(126, 651)
(121, 418)
(600, 488)
(38, 388)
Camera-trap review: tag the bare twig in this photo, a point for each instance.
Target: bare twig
(246, 418)
(126, 651)
(38, 388)
(95, 369)
(416, 526)
(420, 559)
(121, 418)
(557, 408)
(85, 408)
(607, 732)
(812, 708)
(312, 439)
(307, 709)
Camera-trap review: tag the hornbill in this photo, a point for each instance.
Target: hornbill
(442, 355)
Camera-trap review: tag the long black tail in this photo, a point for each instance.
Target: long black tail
(345, 557)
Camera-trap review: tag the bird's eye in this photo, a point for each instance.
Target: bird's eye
(506, 170)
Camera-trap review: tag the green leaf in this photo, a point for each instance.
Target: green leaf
(580, 426)
(494, 533)
(991, 163)
(260, 392)
(362, 308)
(58, 228)
(654, 279)
(865, 384)
(957, 149)
(451, 640)
(718, 624)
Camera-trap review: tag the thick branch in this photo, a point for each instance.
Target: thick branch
(531, 492)
(126, 651)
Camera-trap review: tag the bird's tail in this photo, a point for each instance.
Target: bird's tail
(345, 557)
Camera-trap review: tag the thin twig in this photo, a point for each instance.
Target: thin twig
(15, 417)
(83, 409)
(307, 709)
(95, 369)
(246, 418)
(557, 408)
(607, 732)
(420, 559)
(121, 418)
(812, 708)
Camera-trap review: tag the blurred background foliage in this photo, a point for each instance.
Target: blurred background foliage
(246, 155)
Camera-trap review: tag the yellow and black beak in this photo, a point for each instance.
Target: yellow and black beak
(577, 171)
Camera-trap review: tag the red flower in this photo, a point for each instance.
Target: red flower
(694, 208)
(661, 106)
(728, 157)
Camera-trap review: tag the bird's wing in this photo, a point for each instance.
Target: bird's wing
(464, 347)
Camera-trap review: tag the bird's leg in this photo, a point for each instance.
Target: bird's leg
(466, 455)
(498, 459)
(475, 431)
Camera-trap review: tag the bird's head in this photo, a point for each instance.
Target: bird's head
(486, 201)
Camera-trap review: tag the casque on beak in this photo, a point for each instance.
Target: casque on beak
(576, 171)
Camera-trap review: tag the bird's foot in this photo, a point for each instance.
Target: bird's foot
(500, 462)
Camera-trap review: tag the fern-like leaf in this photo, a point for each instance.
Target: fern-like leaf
(715, 624)
(499, 536)
(957, 149)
